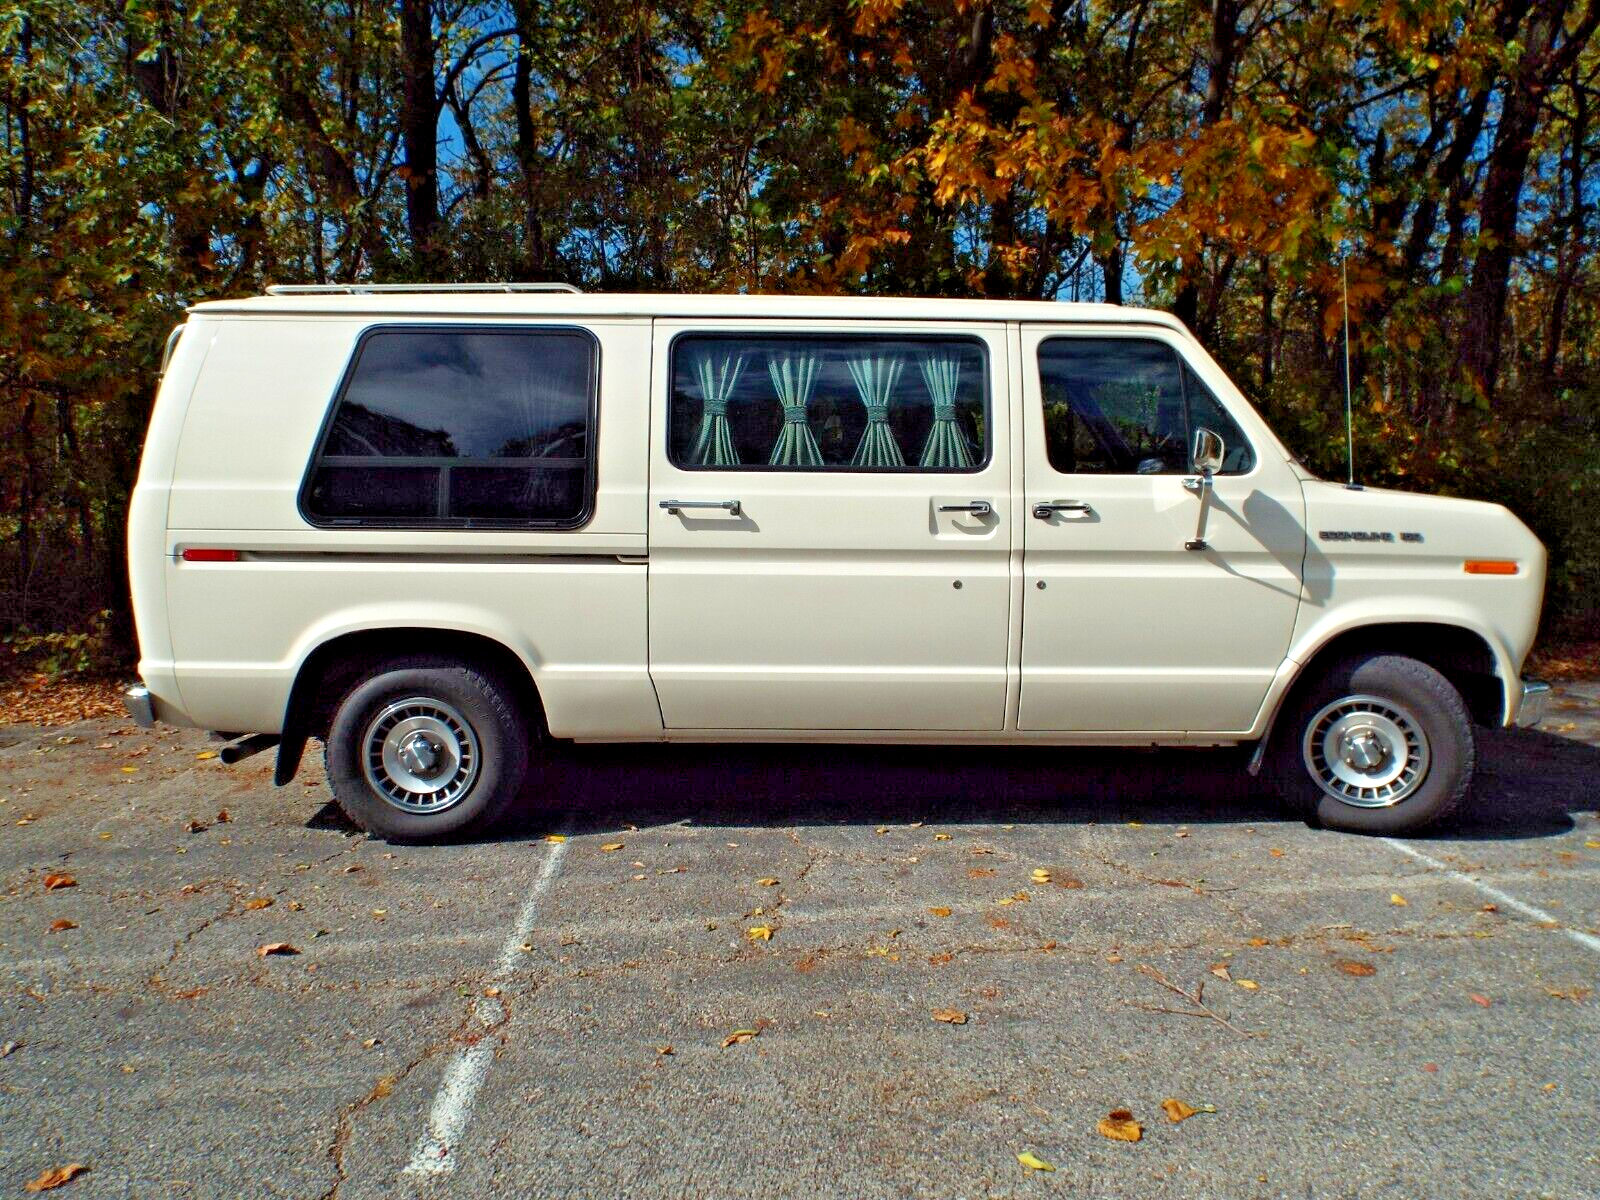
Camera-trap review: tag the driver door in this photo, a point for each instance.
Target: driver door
(1124, 628)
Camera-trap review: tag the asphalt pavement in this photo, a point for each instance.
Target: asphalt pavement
(725, 980)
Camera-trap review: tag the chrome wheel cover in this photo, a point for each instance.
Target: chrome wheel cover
(1366, 752)
(420, 755)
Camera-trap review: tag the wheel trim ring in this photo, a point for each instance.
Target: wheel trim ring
(445, 728)
(1400, 732)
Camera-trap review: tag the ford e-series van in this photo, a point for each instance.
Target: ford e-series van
(436, 527)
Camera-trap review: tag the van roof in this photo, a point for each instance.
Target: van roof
(420, 303)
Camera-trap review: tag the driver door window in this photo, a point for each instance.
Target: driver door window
(1126, 406)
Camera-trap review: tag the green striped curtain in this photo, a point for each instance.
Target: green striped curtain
(947, 447)
(716, 375)
(794, 375)
(875, 378)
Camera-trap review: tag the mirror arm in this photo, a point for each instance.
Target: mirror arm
(1203, 486)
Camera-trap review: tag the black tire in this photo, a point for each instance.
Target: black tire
(471, 722)
(1385, 700)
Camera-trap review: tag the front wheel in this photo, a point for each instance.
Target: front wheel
(425, 748)
(1379, 744)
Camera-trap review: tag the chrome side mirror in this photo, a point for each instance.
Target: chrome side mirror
(1208, 451)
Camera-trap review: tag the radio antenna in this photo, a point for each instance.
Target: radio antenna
(1349, 421)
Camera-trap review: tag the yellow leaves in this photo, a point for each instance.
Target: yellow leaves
(1249, 985)
(1355, 967)
(1041, 875)
(941, 837)
(759, 933)
(205, 754)
(1220, 970)
(768, 882)
(55, 1177)
(949, 1016)
(276, 948)
(1399, 901)
(611, 847)
(1119, 1126)
(256, 903)
(940, 911)
(739, 1037)
(1177, 1110)
(555, 839)
(56, 880)
(1018, 898)
(1033, 1162)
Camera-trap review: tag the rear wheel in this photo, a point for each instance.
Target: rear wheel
(425, 747)
(1379, 744)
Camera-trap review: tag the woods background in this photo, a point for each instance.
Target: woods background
(1214, 159)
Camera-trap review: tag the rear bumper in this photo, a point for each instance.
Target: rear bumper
(1535, 700)
(141, 705)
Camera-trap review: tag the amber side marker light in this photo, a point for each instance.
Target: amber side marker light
(1490, 566)
(206, 554)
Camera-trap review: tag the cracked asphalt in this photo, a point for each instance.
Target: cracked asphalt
(517, 993)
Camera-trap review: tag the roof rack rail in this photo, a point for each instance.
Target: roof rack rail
(355, 289)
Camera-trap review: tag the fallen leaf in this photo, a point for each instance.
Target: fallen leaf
(555, 839)
(125, 771)
(10, 1048)
(1040, 875)
(1177, 1110)
(1399, 901)
(1592, 844)
(382, 1089)
(1069, 882)
(276, 948)
(222, 817)
(295, 906)
(1577, 994)
(1120, 1126)
(491, 992)
(1275, 852)
(1490, 908)
(1431, 1068)
(1484, 1001)
(979, 872)
(664, 1050)
(1257, 941)
(55, 881)
(610, 847)
(941, 837)
(940, 911)
(769, 882)
(1033, 1162)
(882, 829)
(1249, 985)
(61, 924)
(1113, 958)
(1354, 966)
(371, 1042)
(196, 826)
(205, 754)
(1220, 970)
(1135, 824)
(939, 960)
(256, 903)
(739, 1037)
(759, 933)
(950, 1016)
(55, 1177)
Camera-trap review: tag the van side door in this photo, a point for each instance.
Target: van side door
(1136, 617)
(830, 525)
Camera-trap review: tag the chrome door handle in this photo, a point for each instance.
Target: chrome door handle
(1045, 511)
(733, 507)
(978, 508)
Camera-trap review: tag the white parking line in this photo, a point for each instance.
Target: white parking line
(1587, 940)
(452, 1105)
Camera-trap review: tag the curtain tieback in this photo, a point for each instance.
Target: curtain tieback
(944, 412)
(716, 408)
(794, 414)
(877, 412)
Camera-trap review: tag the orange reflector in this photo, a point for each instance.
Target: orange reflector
(202, 554)
(1490, 566)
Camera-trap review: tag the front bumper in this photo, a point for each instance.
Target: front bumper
(141, 707)
(1535, 700)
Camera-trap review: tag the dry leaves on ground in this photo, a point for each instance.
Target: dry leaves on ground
(39, 700)
(610, 847)
(1119, 1126)
(54, 1178)
(1041, 875)
(1033, 1162)
(256, 903)
(61, 924)
(950, 1016)
(276, 948)
(555, 839)
(759, 933)
(1177, 1110)
(767, 882)
(9, 1049)
(940, 911)
(1354, 966)
(1399, 901)
(55, 881)
(1484, 1001)
(739, 1037)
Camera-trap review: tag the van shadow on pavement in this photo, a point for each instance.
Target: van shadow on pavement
(1529, 784)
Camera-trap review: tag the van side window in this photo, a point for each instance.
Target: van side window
(450, 426)
(1126, 406)
(838, 403)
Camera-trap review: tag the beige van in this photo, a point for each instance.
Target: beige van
(436, 527)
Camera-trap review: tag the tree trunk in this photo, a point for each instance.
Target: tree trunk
(419, 131)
